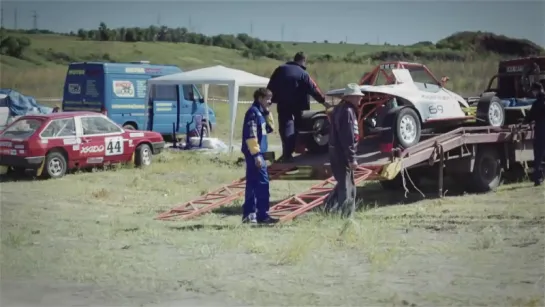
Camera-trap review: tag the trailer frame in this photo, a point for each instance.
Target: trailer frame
(457, 151)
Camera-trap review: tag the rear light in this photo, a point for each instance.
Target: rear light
(386, 147)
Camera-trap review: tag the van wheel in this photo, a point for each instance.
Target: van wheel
(142, 155)
(129, 127)
(205, 132)
(55, 165)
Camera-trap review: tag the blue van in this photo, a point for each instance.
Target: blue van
(119, 91)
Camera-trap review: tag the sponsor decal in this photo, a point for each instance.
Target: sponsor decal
(92, 149)
(5, 144)
(70, 141)
(123, 89)
(136, 134)
(95, 160)
(74, 89)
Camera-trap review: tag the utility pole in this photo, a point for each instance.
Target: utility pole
(159, 19)
(2, 16)
(252, 29)
(15, 19)
(35, 20)
(282, 34)
(190, 26)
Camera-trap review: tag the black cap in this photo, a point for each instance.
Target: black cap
(299, 56)
(536, 86)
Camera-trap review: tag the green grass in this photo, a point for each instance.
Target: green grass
(92, 235)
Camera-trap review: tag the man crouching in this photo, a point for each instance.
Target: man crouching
(343, 144)
(257, 123)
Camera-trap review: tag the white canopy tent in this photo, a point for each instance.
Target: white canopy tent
(215, 75)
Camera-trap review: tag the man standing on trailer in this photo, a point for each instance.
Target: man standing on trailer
(257, 123)
(291, 86)
(343, 144)
(537, 115)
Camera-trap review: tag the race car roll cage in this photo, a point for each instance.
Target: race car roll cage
(376, 101)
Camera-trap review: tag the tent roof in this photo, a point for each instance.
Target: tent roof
(217, 75)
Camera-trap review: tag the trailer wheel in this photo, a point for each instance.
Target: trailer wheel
(318, 141)
(406, 127)
(487, 171)
(490, 111)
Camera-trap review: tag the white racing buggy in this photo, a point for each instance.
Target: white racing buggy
(406, 99)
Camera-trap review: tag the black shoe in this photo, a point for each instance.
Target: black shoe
(249, 219)
(287, 159)
(537, 184)
(268, 220)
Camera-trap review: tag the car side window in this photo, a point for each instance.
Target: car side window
(188, 91)
(98, 125)
(60, 128)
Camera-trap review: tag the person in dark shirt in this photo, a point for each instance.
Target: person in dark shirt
(291, 86)
(343, 143)
(537, 115)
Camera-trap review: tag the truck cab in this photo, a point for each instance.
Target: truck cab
(118, 90)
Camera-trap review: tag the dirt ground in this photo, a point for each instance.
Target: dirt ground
(90, 239)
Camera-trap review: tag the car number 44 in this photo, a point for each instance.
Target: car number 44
(114, 146)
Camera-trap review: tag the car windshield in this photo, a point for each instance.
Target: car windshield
(22, 128)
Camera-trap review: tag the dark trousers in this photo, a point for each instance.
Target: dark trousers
(257, 196)
(539, 153)
(289, 122)
(342, 199)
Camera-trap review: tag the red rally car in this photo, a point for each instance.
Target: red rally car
(53, 143)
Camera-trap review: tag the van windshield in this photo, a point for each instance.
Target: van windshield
(22, 128)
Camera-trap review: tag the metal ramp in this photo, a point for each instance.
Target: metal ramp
(302, 202)
(216, 198)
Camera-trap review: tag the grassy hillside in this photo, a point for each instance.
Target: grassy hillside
(42, 67)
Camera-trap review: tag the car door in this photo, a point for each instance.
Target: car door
(102, 140)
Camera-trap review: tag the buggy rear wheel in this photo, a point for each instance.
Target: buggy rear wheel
(318, 141)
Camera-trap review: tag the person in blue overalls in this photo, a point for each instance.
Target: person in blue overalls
(258, 122)
(537, 115)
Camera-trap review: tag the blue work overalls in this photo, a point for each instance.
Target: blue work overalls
(254, 144)
(539, 151)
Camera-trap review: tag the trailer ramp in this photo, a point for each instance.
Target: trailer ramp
(315, 196)
(214, 199)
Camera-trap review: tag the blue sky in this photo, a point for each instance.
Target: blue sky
(395, 22)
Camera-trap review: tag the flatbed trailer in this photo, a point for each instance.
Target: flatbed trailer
(480, 154)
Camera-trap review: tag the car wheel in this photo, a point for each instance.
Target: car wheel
(490, 111)
(318, 141)
(129, 127)
(487, 171)
(406, 128)
(55, 165)
(143, 155)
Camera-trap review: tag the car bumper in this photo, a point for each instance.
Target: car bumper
(157, 147)
(22, 162)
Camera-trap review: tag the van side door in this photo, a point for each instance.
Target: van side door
(166, 108)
